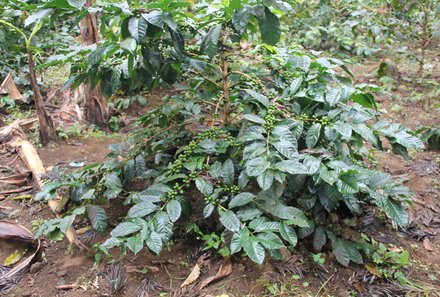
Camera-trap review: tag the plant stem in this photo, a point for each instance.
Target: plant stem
(225, 81)
(47, 128)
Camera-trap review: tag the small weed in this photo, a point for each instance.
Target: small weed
(70, 249)
(318, 258)
(36, 224)
(73, 131)
(212, 240)
(388, 260)
(7, 102)
(286, 288)
(114, 123)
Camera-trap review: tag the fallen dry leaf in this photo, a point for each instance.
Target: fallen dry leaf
(358, 286)
(428, 244)
(10, 277)
(395, 249)
(14, 231)
(12, 258)
(192, 277)
(19, 179)
(373, 270)
(224, 270)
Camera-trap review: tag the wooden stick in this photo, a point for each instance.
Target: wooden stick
(14, 191)
(70, 286)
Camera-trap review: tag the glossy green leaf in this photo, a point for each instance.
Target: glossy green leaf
(174, 210)
(269, 26)
(98, 218)
(265, 180)
(289, 234)
(204, 186)
(252, 248)
(270, 240)
(230, 221)
(210, 41)
(241, 199)
(154, 242)
(141, 209)
(135, 244)
(313, 135)
(256, 166)
(125, 228)
(319, 239)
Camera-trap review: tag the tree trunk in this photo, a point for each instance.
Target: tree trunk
(95, 107)
(47, 129)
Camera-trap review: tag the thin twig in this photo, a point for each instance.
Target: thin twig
(324, 284)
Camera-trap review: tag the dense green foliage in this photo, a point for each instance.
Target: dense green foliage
(273, 139)
(364, 28)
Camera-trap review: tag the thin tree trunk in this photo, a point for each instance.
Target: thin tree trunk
(95, 107)
(47, 129)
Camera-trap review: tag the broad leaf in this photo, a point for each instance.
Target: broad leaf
(265, 180)
(125, 228)
(254, 118)
(235, 243)
(345, 251)
(154, 242)
(289, 234)
(269, 26)
(228, 171)
(230, 221)
(137, 28)
(256, 166)
(209, 43)
(252, 248)
(204, 186)
(270, 240)
(174, 210)
(394, 210)
(319, 239)
(347, 184)
(135, 244)
(241, 199)
(258, 97)
(240, 20)
(141, 209)
(313, 135)
(98, 218)
(78, 4)
(291, 167)
(207, 211)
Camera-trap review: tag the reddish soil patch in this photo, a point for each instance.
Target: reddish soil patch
(89, 150)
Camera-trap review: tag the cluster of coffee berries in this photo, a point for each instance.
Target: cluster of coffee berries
(212, 133)
(233, 189)
(270, 118)
(325, 121)
(303, 117)
(212, 200)
(177, 189)
(256, 81)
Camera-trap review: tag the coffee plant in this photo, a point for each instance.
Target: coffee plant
(264, 143)
(357, 27)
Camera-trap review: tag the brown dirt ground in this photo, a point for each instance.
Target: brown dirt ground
(67, 266)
